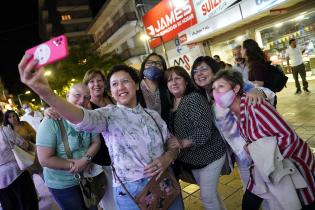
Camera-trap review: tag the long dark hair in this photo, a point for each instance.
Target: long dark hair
(145, 61)
(6, 118)
(164, 97)
(253, 52)
(1, 117)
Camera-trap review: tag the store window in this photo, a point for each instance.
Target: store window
(224, 49)
(275, 39)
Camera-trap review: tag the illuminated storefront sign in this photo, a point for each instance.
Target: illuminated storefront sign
(230, 16)
(167, 19)
(208, 8)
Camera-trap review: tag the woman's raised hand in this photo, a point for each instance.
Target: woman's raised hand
(33, 78)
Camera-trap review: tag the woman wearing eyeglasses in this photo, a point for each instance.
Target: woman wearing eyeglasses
(153, 90)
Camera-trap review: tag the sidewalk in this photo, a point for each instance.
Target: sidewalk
(298, 111)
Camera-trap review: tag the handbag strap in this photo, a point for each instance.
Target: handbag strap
(124, 186)
(114, 170)
(157, 125)
(64, 138)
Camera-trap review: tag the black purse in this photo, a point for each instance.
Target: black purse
(92, 188)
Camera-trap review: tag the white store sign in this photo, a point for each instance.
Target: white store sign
(230, 16)
(252, 7)
(208, 8)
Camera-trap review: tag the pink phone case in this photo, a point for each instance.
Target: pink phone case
(50, 51)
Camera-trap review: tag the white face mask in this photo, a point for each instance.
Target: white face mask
(28, 110)
(224, 100)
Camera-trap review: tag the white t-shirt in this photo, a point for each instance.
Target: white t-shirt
(34, 121)
(295, 55)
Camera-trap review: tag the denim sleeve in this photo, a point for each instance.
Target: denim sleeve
(248, 86)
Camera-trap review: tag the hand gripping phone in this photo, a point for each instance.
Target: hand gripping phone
(49, 52)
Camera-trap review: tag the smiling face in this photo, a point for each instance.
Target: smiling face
(79, 95)
(176, 85)
(123, 89)
(96, 86)
(203, 75)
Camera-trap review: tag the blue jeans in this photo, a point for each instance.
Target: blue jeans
(70, 198)
(124, 202)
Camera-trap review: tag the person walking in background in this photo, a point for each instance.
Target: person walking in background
(32, 117)
(217, 58)
(17, 190)
(58, 169)
(22, 128)
(294, 54)
(240, 62)
(256, 61)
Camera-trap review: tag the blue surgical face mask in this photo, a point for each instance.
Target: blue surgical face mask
(153, 73)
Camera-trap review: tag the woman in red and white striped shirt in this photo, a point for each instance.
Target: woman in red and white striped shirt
(262, 120)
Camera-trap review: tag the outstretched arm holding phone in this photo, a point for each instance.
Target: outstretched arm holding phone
(35, 79)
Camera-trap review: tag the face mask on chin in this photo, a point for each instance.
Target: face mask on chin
(153, 73)
(225, 99)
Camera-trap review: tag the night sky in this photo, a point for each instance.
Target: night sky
(18, 32)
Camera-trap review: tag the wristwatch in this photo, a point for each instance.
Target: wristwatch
(88, 158)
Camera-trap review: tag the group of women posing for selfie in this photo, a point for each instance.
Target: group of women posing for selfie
(206, 118)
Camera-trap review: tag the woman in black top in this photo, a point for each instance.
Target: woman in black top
(153, 91)
(202, 147)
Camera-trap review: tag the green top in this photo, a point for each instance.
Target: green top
(49, 135)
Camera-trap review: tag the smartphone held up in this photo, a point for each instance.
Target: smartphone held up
(49, 52)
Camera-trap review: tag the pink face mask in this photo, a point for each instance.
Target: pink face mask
(225, 99)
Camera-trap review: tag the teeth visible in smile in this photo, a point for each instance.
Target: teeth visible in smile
(123, 94)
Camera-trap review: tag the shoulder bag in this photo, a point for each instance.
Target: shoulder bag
(158, 194)
(92, 188)
(23, 158)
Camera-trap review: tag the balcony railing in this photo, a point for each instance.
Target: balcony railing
(130, 16)
(131, 52)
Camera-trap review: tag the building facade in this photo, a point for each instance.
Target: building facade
(69, 17)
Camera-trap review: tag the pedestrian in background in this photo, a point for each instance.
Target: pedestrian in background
(17, 190)
(294, 54)
(32, 117)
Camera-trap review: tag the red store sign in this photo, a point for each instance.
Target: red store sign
(167, 19)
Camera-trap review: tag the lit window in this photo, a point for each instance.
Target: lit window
(65, 17)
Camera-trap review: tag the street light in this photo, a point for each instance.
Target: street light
(47, 73)
(146, 37)
(26, 93)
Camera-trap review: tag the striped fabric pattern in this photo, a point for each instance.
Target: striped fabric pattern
(263, 121)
